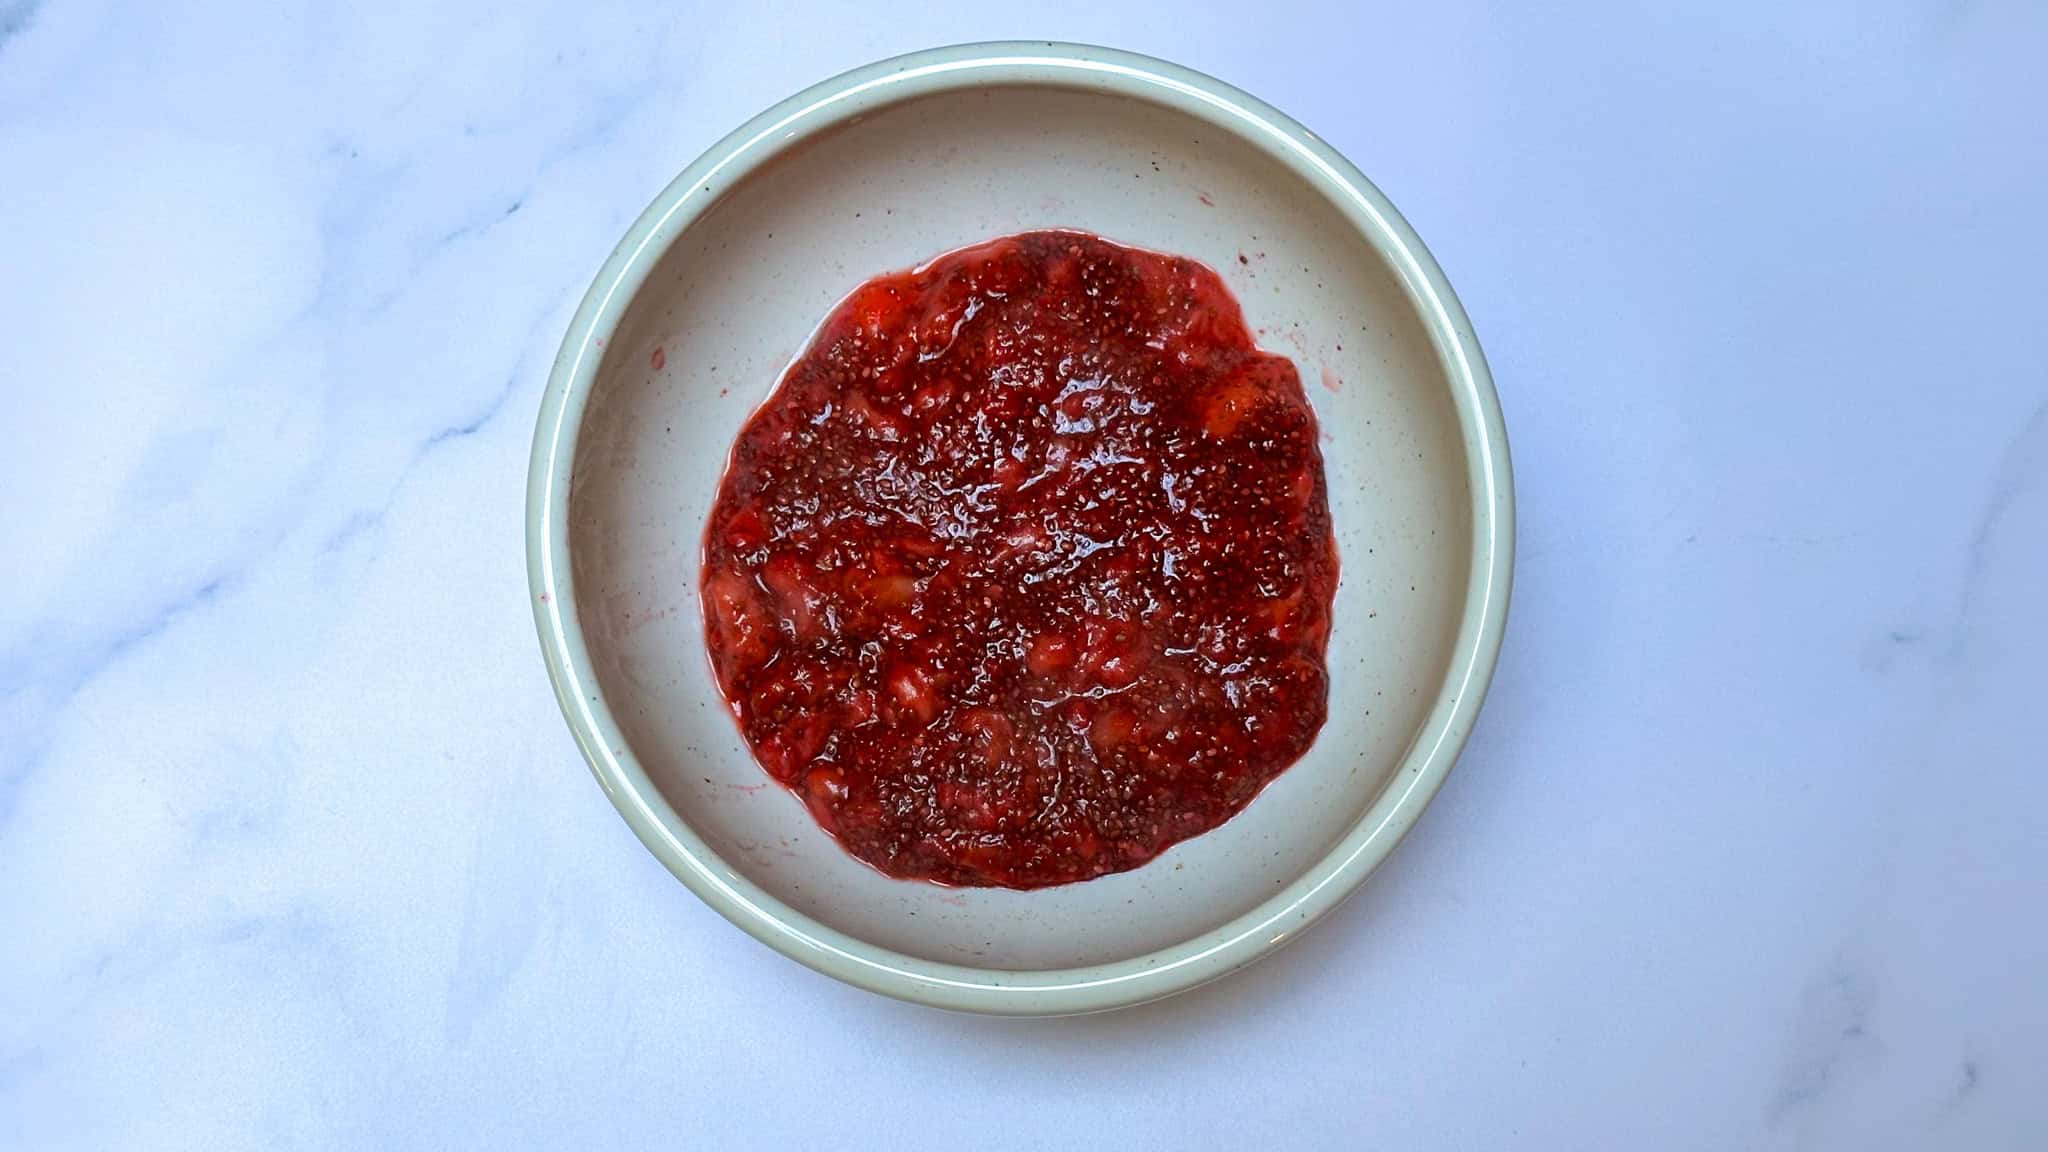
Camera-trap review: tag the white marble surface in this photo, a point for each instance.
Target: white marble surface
(1751, 847)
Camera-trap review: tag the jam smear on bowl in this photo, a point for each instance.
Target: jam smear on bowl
(1024, 572)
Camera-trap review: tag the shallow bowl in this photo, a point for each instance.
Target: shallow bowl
(720, 283)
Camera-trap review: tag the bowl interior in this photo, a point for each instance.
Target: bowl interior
(737, 296)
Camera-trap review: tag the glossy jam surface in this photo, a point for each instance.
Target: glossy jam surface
(1024, 572)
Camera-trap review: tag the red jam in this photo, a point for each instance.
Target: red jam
(1024, 572)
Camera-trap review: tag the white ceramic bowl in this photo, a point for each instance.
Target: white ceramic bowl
(721, 281)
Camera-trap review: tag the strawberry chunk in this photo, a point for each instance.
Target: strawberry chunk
(740, 623)
(1049, 655)
(915, 691)
(797, 595)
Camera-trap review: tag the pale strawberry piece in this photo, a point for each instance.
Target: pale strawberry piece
(1050, 655)
(878, 313)
(1119, 671)
(1111, 730)
(797, 595)
(744, 532)
(884, 422)
(861, 707)
(739, 622)
(932, 397)
(994, 731)
(891, 591)
(1228, 405)
(1008, 471)
(824, 789)
(796, 745)
(916, 691)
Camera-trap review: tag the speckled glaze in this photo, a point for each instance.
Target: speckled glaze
(720, 282)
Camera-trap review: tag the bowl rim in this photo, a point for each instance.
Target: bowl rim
(1063, 991)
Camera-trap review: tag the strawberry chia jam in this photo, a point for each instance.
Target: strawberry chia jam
(1023, 574)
